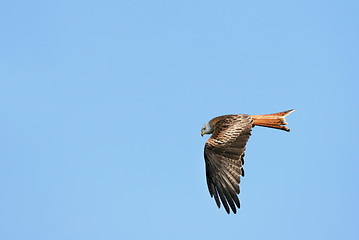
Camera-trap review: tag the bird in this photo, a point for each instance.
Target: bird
(224, 152)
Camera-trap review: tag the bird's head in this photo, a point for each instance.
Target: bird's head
(207, 129)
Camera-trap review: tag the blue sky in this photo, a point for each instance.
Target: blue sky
(102, 103)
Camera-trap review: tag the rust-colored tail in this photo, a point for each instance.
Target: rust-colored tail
(275, 120)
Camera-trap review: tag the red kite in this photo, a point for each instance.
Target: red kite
(224, 152)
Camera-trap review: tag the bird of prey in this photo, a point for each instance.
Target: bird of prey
(224, 152)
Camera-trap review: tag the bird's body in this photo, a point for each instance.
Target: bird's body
(224, 152)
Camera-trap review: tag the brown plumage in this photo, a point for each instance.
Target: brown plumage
(224, 152)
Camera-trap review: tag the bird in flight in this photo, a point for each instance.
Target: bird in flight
(224, 152)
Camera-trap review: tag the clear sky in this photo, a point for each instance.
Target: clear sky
(102, 102)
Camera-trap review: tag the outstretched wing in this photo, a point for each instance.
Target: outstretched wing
(223, 153)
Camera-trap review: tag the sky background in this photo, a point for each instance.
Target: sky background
(102, 102)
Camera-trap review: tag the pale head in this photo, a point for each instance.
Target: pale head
(207, 129)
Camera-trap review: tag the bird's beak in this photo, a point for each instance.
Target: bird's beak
(202, 133)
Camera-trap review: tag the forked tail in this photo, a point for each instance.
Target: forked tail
(275, 120)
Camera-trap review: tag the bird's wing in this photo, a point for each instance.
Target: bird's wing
(223, 153)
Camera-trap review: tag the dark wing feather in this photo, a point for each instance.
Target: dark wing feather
(223, 154)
